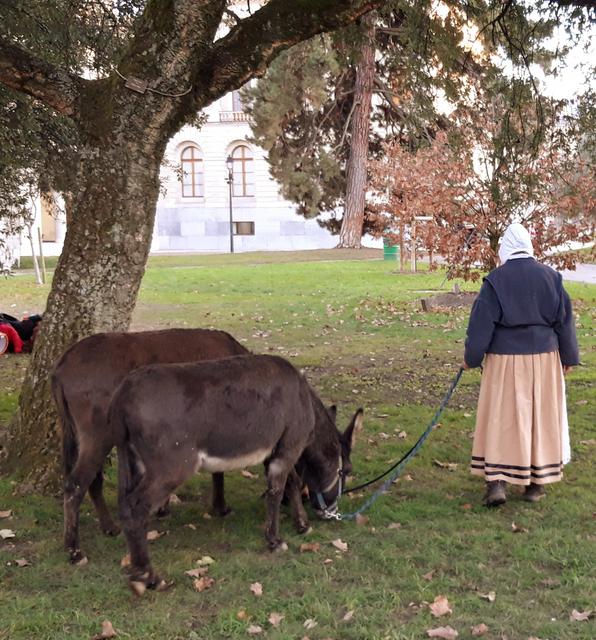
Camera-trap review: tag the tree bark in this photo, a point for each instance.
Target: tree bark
(124, 134)
(350, 235)
(95, 288)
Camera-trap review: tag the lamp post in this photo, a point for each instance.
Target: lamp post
(230, 181)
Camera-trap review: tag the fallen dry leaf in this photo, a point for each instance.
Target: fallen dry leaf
(340, 544)
(257, 589)
(516, 529)
(206, 516)
(191, 526)
(22, 562)
(580, 402)
(197, 573)
(429, 576)
(402, 435)
(491, 596)
(394, 525)
(550, 582)
(348, 616)
(7, 533)
(579, 616)
(247, 474)
(204, 583)
(447, 633)
(174, 499)
(205, 560)
(451, 466)
(5, 514)
(328, 561)
(362, 520)
(312, 547)
(254, 630)
(479, 629)
(107, 631)
(310, 623)
(242, 615)
(440, 607)
(591, 441)
(275, 619)
(154, 534)
(125, 562)
(466, 507)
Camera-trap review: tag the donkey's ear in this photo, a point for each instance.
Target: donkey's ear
(332, 411)
(349, 435)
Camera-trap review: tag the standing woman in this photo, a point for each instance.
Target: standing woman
(522, 325)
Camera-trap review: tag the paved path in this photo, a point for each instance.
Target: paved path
(582, 273)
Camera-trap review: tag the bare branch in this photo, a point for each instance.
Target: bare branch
(24, 72)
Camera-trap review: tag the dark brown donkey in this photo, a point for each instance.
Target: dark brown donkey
(83, 383)
(217, 416)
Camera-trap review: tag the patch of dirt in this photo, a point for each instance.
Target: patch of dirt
(448, 301)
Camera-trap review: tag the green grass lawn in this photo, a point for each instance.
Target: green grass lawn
(355, 326)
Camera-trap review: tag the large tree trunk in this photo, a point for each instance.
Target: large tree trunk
(350, 235)
(107, 242)
(96, 281)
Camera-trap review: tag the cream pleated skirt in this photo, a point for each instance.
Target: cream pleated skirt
(521, 435)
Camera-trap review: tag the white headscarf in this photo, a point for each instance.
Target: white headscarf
(515, 243)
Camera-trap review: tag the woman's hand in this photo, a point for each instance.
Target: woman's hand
(464, 365)
(567, 369)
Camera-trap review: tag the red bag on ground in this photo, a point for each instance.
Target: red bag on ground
(14, 341)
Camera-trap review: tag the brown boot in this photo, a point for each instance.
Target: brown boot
(495, 493)
(534, 492)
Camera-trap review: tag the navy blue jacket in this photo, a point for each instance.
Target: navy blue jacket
(522, 308)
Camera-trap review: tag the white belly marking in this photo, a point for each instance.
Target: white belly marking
(213, 464)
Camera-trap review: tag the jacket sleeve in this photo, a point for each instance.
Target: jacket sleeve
(486, 312)
(565, 329)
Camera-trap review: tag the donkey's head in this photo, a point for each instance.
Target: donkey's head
(327, 461)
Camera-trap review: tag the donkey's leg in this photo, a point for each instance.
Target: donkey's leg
(76, 484)
(277, 474)
(218, 500)
(294, 493)
(135, 508)
(106, 523)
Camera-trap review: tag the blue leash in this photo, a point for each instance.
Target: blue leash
(398, 466)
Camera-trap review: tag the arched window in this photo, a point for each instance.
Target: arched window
(193, 182)
(243, 171)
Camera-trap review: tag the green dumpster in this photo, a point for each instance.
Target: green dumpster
(390, 251)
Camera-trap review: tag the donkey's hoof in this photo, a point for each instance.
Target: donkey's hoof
(303, 527)
(77, 558)
(277, 546)
(162, 585)
(138, 587)
(221, 511)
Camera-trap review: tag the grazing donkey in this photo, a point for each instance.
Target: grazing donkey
(217, 416)
(83, 383)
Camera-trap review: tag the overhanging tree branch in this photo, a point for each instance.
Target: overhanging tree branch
(277, 26)
(22, 71)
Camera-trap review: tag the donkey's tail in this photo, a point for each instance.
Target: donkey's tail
(70, 444)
